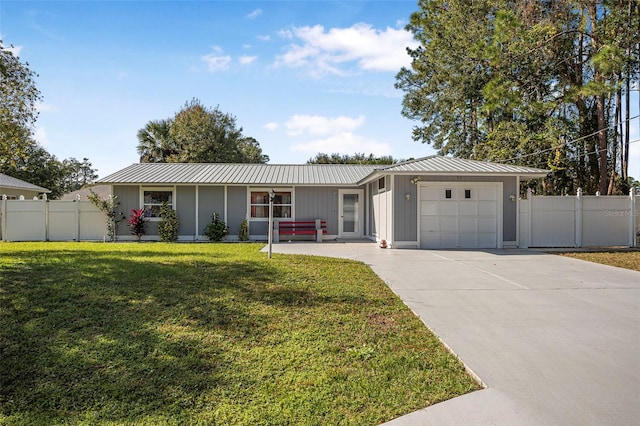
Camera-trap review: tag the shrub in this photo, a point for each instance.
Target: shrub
(168, 227)
(243, 233)
(108, 207)
(216, 230)
(137, 223)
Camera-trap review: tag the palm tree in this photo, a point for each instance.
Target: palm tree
(155, 144)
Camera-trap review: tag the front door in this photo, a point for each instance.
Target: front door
(351, 208)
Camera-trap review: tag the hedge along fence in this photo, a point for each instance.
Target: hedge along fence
(579, 221)
(47, 220)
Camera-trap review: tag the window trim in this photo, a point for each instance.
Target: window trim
(279, 189)
(171, 189)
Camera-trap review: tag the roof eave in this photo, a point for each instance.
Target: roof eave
(379, 173)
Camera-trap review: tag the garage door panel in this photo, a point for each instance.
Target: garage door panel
(449, 224)
(468, 208)
(429, 208)
(487, 240)
(488, 193)
(448, 208)
(468, 225)
(487, 208)
(429, 239)
(430, 223)
(448, 239)
(468, 240)
(430, 194)
(486, 224)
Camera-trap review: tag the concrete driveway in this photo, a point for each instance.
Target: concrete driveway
(556, 341)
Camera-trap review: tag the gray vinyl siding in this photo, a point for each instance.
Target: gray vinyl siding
(318, 203)
(405, 215)
(186, 209)
(210, 201)
(129, 198)
(237, 210)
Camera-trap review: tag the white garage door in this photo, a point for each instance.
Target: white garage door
(454, 215)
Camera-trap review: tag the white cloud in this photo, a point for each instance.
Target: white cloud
(319, 125)
(272, 126)
(41, 137)
(246, 60)
(343, 143)
(15, 50)
(331, 134)
(264, 37)
(217, 61)
(44, 107)
(254, 14)
(335, 50)
(286, 33)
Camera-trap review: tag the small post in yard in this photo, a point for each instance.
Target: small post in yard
(3, 218)
(272, 195)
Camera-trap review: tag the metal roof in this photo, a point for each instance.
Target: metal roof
(436, 164)
(304, 174)
(7, 181)
(249, 174)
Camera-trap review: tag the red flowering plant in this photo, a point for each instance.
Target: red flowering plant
(137, 223)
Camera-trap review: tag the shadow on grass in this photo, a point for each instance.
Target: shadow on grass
(87, 332)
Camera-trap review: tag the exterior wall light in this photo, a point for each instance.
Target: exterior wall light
(407, 196)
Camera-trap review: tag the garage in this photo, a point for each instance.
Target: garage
(460, 215)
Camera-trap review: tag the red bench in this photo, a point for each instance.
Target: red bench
(316, 228)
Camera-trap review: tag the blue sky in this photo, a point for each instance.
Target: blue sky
(301, 77)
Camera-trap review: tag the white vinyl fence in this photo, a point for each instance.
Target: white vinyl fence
(44, 220)
(579, 221)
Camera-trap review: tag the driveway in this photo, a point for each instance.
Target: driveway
(555, 340)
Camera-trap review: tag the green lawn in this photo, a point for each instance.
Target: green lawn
(208, 334)
(622, 259)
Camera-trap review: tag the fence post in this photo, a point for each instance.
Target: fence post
(46, 217)
(527, 242)
(3, 218)
(578, 218)
(76, 230)
(632, 218)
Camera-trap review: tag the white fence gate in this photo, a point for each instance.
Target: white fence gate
(579, 221)
(44, 220)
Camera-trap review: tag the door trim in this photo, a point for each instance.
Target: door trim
(359, 213)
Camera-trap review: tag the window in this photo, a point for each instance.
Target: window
(152, 200)
(260, 204)
(382, 184)
(467, 194)
(447, 193)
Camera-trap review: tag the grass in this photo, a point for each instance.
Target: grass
(621, 259)
(157, 333)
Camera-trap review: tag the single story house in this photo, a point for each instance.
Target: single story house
(14, 188)
(430, 202)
